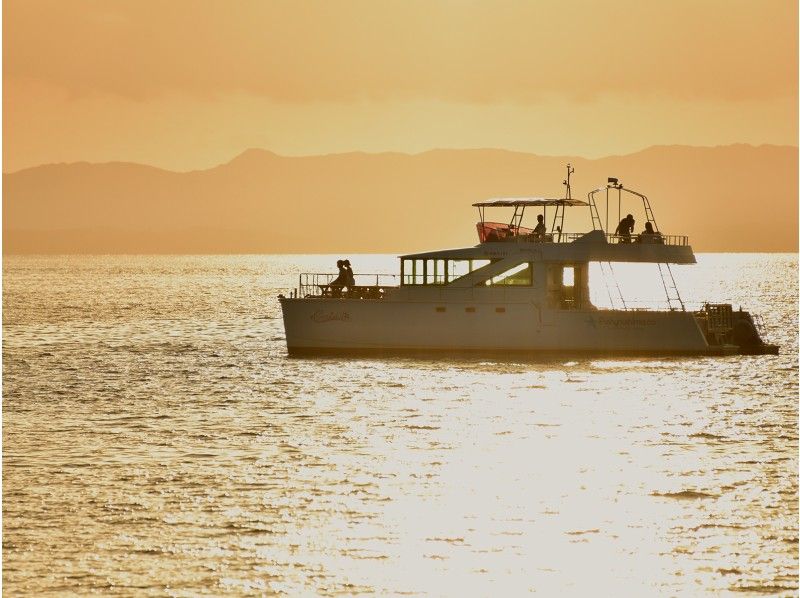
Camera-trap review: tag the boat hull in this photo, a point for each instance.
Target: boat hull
(313, 325)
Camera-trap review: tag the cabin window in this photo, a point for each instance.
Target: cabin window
(413, 271)
(438, 271)
(569, 276)
(435, 271)
(568, 288)
(565, 286)
(519, 275)
(460, 268)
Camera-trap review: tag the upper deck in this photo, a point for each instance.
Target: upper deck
(489, 232)
(549, 240)
(594, 246)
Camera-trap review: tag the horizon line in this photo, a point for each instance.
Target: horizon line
(398, 153)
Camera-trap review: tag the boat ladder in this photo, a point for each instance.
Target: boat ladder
(516, 219)
(597, 224)
(674, 300)
(610, 275)
(648, 213)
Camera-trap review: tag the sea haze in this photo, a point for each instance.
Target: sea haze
(157, 440)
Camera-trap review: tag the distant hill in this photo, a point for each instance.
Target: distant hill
(731, 198)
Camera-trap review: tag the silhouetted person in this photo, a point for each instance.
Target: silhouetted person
(648, 235)
(350, 278)
(625, 228)
(540, 229)
(340, 281)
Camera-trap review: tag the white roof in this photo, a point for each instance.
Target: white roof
(513, 202)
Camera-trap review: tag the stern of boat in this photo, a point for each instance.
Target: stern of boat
(735, 332)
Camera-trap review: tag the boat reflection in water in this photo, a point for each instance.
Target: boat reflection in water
(522, 289)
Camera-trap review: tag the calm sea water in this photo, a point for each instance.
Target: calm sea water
(158, 441)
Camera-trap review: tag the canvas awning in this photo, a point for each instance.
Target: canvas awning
(514, 202)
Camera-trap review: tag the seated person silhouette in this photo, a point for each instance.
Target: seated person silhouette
(340, 281)
(350, 278)
(540, 230)
(648, 235)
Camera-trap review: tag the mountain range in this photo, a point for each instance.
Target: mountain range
(726, 198)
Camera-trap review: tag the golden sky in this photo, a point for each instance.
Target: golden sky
(187, 84)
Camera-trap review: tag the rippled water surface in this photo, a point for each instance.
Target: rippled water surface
(158, 441)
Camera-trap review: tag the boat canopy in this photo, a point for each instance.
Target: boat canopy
(515, 202)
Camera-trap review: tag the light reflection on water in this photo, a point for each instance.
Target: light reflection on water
(157, 440)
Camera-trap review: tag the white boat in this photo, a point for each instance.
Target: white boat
(519, 289)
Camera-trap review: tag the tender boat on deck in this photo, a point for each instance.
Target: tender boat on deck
(519, 290)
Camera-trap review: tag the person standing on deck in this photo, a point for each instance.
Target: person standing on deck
(625, 228)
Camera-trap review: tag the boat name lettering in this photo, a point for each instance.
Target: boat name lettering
(626, 323)
(321, 316)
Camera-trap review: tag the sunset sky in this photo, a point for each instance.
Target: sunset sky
(190, 84)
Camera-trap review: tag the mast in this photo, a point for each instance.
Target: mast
(570, 170)
(559, 228)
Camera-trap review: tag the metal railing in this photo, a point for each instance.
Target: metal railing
(556, 237)
(642, 305)
(657, 239)
(367, 286)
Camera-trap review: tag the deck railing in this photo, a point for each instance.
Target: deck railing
(556, 237)
(657, 239)
(368, 286)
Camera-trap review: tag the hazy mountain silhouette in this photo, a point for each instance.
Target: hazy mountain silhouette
(731, 198)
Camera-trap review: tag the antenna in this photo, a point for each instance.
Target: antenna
(570, 170)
